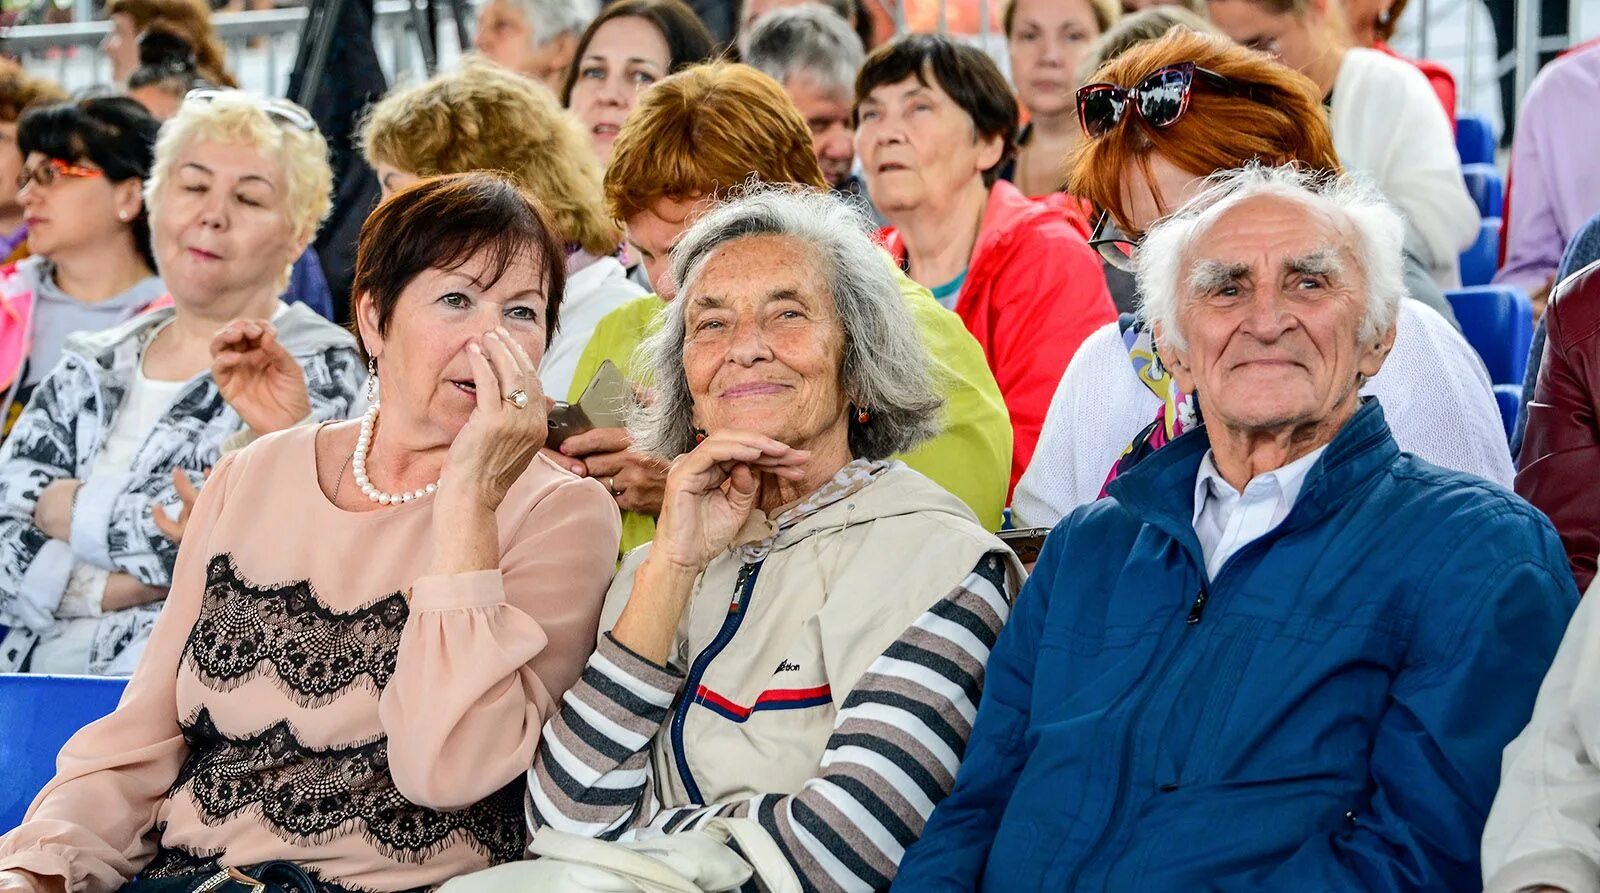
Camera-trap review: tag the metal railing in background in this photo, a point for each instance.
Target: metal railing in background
(260, 46)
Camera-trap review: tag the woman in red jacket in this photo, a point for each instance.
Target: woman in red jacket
(935, 122)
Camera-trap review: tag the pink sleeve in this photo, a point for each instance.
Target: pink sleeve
(486, 656)
(1534, 243)
(90, 829)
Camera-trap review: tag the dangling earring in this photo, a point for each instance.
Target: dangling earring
(699, 435)
(863, 417)
(372, 379)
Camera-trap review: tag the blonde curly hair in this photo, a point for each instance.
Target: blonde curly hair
(484, 118)
(238, 118)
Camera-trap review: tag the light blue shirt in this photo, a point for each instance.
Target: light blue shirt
(1226, 520)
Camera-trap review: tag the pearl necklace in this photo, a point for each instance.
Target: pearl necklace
(358, 464)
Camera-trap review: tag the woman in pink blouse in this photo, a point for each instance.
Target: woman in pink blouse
(369, 621)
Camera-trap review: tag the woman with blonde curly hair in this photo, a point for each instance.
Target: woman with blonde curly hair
(124, 425)
(483, 117)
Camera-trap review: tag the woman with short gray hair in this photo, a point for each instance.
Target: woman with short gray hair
(801, 648)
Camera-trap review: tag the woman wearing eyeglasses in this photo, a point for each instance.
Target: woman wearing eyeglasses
(80, 188)
(935, 121)
(127, 416)
(1160, 119)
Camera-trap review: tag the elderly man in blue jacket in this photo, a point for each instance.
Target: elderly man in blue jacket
(1282, 655)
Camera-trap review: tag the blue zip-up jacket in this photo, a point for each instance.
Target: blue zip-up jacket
(1327, 714)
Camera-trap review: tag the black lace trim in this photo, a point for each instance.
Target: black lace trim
(314, 652)
(176, 861)
(310, 796)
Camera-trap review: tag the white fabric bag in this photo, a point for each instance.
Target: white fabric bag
(697, 861)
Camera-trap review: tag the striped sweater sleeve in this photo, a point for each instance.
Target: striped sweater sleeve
(892, 755)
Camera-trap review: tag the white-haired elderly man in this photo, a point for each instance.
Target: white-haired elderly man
(812, 51)
(534, 38)
(1283, 655)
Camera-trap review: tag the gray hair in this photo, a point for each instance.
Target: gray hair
(886, 370)
(552, 18)
(1377, 230)
(810, 39)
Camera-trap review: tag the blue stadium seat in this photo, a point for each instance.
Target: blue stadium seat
(1486, 187)
(1509, 397)
(1474, 139)
(39, 714)
(1479, 262)
(1497, 321)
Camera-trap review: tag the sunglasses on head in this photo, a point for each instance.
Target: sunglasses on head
(276, 109)
(1159, 99)
(52, 169)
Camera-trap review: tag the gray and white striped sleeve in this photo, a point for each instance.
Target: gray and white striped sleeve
(892, 756)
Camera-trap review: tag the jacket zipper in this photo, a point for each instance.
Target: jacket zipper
(743, 586)
(1196, 614)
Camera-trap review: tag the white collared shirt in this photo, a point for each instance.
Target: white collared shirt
(1226, 520)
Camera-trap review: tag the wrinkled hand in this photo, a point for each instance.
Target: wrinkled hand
(636, 480)
(712, 490)
(187, 493)
(258, 377)
(499, 440)
(52, 514)
(124, 591)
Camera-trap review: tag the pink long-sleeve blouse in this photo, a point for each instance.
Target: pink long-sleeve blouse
(311, 693)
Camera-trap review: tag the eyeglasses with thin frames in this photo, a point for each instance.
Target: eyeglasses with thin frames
(52, 169)
(1114, 247)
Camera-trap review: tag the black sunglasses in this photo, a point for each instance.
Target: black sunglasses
(1159, 99)
(1113, 246)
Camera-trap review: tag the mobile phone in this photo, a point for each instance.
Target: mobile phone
(1026, 542)
(605, 403)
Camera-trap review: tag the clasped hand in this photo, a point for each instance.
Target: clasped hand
(712, 489)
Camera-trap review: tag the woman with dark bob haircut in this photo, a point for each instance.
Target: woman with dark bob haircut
(624, 51)
(361, 692)
(935, 121)
(81, 188)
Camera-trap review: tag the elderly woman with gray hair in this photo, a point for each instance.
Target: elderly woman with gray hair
(802, 647)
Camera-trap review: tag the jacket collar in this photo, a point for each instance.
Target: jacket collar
(1160, 490)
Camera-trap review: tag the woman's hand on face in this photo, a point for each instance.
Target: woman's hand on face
(636, 480)
(52, 514)
(258, 377)
(499, 440)
(711, 491)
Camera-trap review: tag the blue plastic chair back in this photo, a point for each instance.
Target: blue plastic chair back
(1486, 187)
(1479, 262)
(37, 716)
(1509, 398)
(1497, 321)
(1474, 139)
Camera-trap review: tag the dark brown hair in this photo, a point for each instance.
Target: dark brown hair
(441, 223)
(965, 73)
(688, 41)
